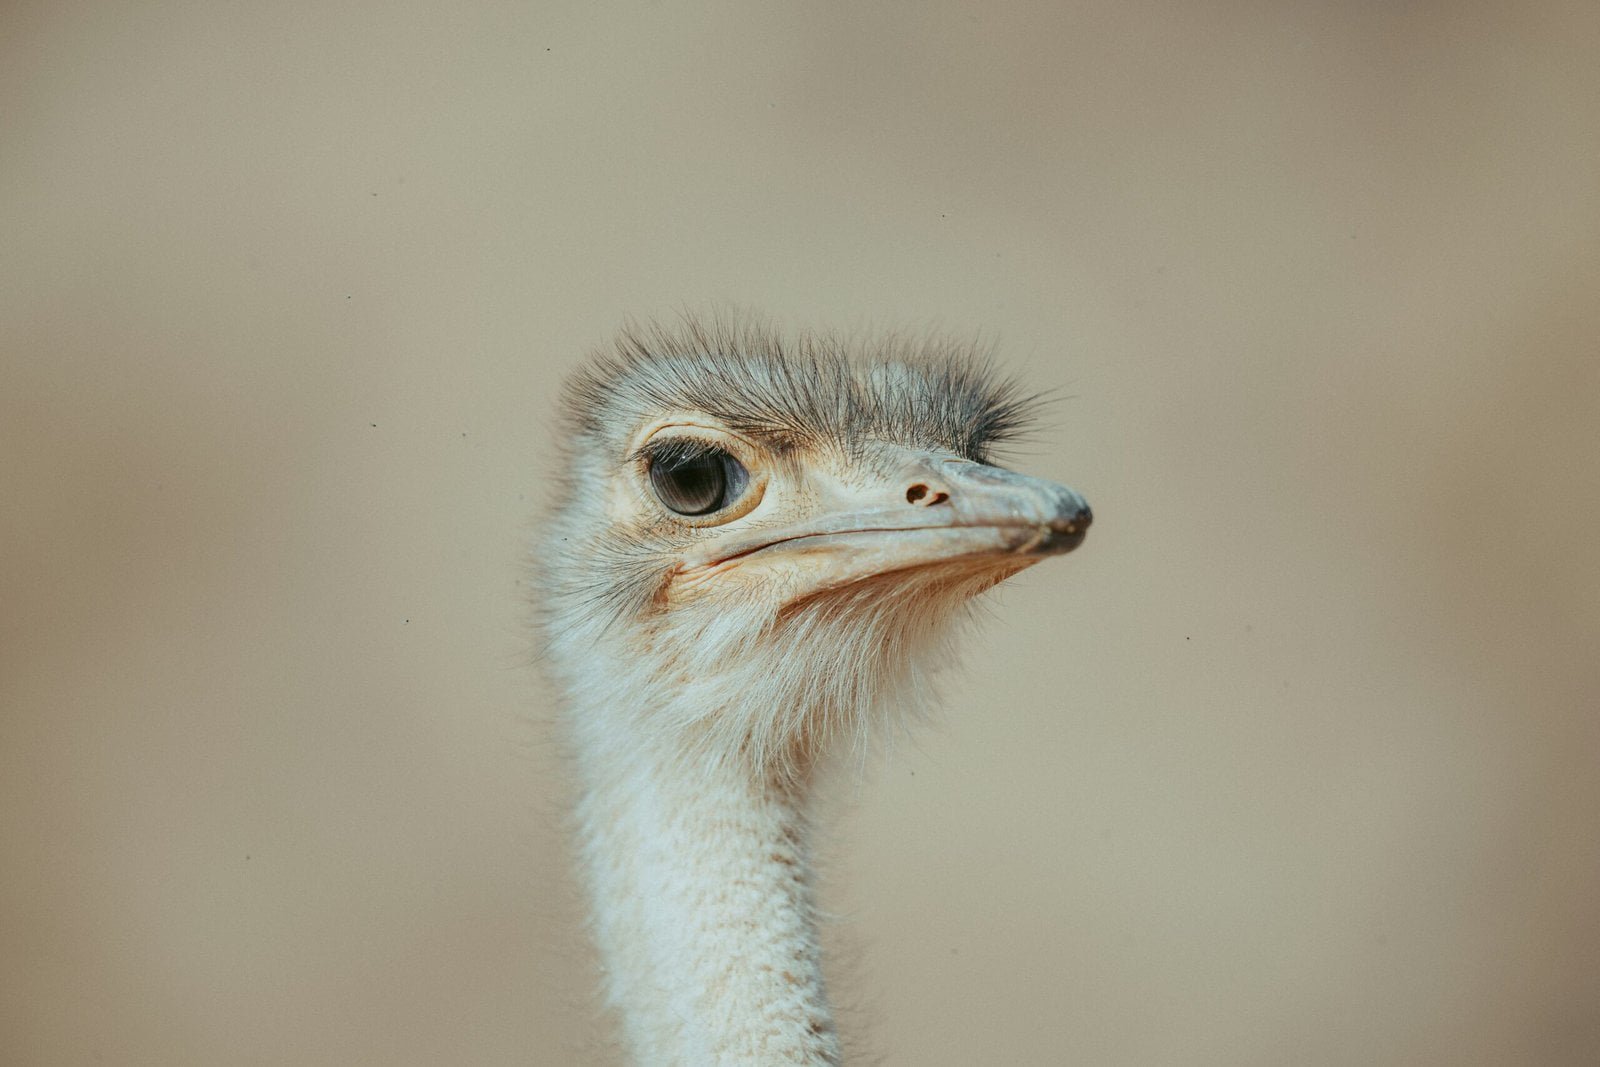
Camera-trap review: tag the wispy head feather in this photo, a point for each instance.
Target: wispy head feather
(932, 391)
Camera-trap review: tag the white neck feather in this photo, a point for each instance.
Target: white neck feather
(702, 908)
(695, 753)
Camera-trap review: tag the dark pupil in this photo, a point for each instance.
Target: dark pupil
(692, 485)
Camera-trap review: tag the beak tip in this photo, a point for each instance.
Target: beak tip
(1068, 531)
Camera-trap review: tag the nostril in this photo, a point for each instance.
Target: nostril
(916, 493)
(938, 498)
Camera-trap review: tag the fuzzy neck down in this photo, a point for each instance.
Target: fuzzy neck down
(696, 774)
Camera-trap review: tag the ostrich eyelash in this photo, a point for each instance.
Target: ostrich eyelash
(676, 450)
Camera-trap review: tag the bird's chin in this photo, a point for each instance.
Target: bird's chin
(804, 565)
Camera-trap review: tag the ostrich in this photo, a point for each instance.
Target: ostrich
(758, 550)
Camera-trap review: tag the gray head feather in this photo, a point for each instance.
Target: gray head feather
(815, 390)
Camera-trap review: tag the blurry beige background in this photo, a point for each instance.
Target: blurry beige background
(1295, 762)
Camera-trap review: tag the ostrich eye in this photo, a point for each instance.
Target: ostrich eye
(695, 479)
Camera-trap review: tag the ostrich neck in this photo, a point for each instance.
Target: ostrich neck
(700, 876)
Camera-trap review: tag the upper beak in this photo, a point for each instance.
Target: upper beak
(935, 511)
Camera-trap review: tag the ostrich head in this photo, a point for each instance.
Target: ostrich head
(772, 541)
(756, 548)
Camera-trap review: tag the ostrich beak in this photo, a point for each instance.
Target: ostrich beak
(933, 512)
